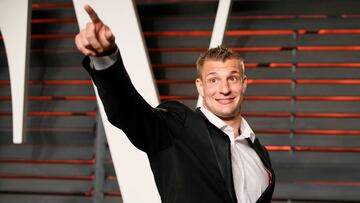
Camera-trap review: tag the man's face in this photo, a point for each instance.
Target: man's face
(222, 87)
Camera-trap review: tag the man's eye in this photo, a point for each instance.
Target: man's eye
(233, 78)
(213, 80)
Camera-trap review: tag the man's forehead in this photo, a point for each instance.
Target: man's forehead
(216, 73)
(230, 64)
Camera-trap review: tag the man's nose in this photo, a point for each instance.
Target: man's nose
(224, 87)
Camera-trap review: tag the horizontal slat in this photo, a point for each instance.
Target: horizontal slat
(50, 169)
(55, 122)
(329, 174)
(31, 198)
(47, 154)
(76, 138)
(59, 187)
(314, 192)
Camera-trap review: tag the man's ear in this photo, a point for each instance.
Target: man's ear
(244, 84)
(199, 86)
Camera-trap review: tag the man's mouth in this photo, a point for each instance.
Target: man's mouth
(225, 100)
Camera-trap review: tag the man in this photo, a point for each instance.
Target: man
(207, 155)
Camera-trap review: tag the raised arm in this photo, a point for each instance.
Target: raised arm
(149, 129)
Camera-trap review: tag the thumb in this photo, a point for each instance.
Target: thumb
(109, 36)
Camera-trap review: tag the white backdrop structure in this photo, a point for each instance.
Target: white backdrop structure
(131, 165)
(15, 18)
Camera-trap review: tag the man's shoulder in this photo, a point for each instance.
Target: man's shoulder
(173, 105)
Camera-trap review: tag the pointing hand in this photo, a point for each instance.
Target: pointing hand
(96, 38)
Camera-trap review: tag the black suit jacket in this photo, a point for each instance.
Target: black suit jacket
(189, 156)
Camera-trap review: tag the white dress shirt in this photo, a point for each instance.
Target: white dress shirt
(249, 174)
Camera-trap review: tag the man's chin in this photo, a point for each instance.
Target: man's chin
(227, 115)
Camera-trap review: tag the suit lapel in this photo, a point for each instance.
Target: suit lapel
(220, 147)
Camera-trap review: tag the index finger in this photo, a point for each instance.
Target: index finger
(92, 14)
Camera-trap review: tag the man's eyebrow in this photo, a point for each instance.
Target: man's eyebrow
(211, 73)
(234, 71)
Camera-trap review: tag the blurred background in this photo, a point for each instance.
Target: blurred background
(303, 98)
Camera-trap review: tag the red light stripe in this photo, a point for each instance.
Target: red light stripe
(4, 82)
(328, 65)
(330, 82)
(313, 16)
(177, 33)
(173, 65)
(335, 183)
(272, 81)
(251, 17)
(310, 132)
(326, 149)
(53, 98)
(304, 115)
(117, 194)
(258, 32)
(43, 129)
(254, 49)
(77, 162)
(5, 113)
(266, 114)
(281, 65)
(47, 193)
(111, 178)
(58, 5)
(350, 16)
(175, 82)
(65, 114)
(5, 98)
(328, 115)
(328, 98)
(328, 132)
(69, 98)
(60, 82)
(177, 49)
(54, 20)
(312, 149)
(9, 176)
(266, 98)
(248, 49)
(168, 97)
(278, 148)
(263, 17)
(272, 131)
(343, 31)
(52, 36)
(91, 114)
(328, 48)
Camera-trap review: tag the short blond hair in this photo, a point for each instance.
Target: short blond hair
(219, 53)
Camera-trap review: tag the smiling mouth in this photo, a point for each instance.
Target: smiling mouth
(225, 100)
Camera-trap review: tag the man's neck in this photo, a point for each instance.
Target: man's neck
(235, 123)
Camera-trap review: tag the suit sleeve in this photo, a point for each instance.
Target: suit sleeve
(149, 129)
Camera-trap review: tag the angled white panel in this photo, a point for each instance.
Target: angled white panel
(131, 165)
(15, 18)
(222, 15)
(221, 19)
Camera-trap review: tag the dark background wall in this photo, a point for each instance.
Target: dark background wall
(302, 59)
